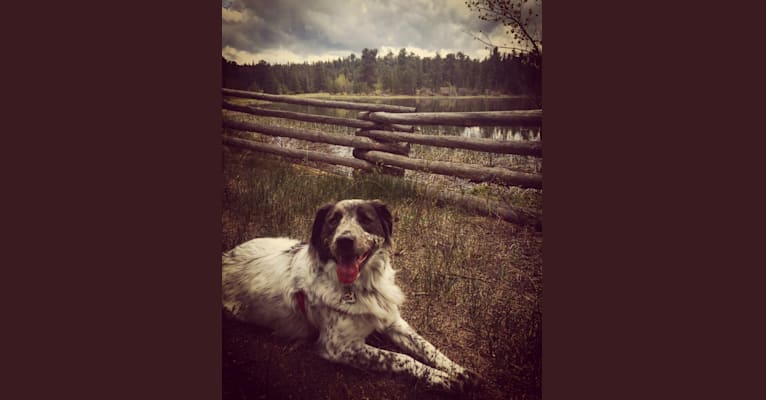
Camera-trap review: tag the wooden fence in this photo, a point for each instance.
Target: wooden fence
(382, 142)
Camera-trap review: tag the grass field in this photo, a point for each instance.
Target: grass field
(473, 284)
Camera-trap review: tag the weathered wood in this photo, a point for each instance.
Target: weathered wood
(317, 102)
(365, 116)
(527, 148)
(299, 154)
(472, 172)
(322, 119)
(386, 169)
(476, 118)
(516, 215)
(316, 136)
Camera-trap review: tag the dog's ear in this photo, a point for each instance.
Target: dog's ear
(316, 232)
(385, 218)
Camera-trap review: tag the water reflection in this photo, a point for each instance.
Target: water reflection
(341, 151)
(502, 133)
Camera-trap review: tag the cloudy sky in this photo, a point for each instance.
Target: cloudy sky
(304, 30)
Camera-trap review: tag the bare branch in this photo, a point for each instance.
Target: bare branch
(488, 42)
(510, 14)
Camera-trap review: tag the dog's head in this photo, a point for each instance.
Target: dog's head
(349, 232)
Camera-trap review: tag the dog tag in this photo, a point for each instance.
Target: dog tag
(348, 297)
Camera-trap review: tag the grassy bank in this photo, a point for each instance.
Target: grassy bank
(473, 284)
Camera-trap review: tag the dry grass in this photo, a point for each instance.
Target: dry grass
(474, 284)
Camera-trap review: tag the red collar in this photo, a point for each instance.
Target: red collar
(300, 298)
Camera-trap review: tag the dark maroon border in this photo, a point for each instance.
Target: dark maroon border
(113, 162)
(637, 249)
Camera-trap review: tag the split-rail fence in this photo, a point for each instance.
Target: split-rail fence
(381, 143)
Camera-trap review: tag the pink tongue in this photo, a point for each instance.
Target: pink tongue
(347, 270)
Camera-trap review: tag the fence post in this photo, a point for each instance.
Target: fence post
(388, 170)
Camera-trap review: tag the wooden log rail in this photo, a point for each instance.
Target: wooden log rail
(316, 136)
(527, 148)
(508, 213)
(317, 102)
(476, 118)
(383, 149)
(472, 172)
(299, 154)
(322, 119)
(516, 215)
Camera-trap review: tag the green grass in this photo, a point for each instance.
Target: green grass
(474, 284)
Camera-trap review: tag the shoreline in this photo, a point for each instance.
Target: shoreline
(324, 95)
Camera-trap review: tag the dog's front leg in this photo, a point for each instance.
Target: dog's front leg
(343, 341)
(366, 357)
(410, 341)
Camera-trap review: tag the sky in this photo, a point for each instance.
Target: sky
(297, 31)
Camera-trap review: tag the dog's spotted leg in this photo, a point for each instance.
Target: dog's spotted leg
(342, 340)
(410, 341)
(369, 358)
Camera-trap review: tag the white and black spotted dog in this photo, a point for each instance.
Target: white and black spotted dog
(340, 288)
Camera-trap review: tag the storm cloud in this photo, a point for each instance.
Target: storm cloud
(298, 30)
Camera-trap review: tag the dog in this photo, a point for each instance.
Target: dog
(337, 289)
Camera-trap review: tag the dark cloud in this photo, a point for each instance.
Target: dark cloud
(321, 29)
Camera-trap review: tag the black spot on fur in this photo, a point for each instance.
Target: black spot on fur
(386, 220)
(318, 242)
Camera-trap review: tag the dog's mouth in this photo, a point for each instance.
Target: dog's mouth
(347, 267)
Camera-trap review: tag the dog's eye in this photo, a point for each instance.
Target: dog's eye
(364, 218)
(334, 219)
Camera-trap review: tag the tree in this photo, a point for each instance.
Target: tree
(350, 69)
(341, 84)
(450, 69)
(320, 77)
(265, 77)
(369, 68)
(437, 79)
(402, 73)
(522, 18)
(386, 72)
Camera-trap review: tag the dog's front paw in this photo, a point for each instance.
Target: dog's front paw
(466, 381)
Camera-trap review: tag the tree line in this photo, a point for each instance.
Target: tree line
(403, 73)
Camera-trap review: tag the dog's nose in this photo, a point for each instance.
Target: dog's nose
(345, 242)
